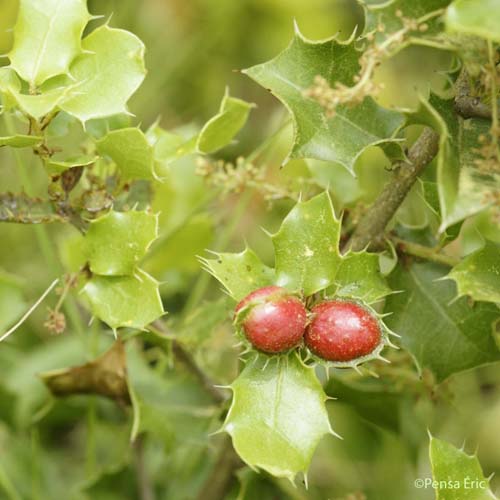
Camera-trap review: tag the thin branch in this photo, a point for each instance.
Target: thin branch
(423, 252)
(218, 483)
(371, 227)
(466, 105)
(182, 355)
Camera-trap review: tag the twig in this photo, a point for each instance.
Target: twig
(371, 227)
(466, 105)
(426, 253)
(29, 311)
(182, 355)
(145, 488)
(219, 481)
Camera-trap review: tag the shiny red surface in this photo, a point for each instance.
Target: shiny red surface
(342, 331)
(276, 320)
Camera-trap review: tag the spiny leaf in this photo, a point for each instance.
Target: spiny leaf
(391, 16)
(278, 415)
(107, 75)
(240, 273)
(56, 167)
(47, 37)
(478, 275)
(428, 317)
(36, 105)
(130, 150)
(343, 137)
(20, 141)
(306, 246)
(464, 189)
(458, 476)
(475, 18)
(221, 129)
(358, 276)
(117, 241)
(125, 301)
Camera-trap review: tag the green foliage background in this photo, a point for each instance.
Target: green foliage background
(79, 447)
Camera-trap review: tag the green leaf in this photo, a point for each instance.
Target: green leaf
(306, 246)
(130, 150)
(107, 75)
(240, 273)
(20, 141)
(169, 404)
(117, 241)
(463, 189)
(221, 129)
(359, 276)
(343, 137)
(278, 415)
(56, 167)
(457, 476)
(475, 18)
(47, 37)
(443, 334)
(125, 301)
(36, 105)
(478, 275)
(390, 15)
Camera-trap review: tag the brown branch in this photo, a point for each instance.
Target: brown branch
(218, 483)
(466, 105)
(370, 230)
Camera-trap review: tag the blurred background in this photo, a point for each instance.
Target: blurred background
(195, 48)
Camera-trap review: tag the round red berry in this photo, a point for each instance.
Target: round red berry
(342, 330)
(272, 319)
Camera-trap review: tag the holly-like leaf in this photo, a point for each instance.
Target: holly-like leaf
(278, 415)
(306, 246)
(130, 150)
(57, 167)
(393, 16)
(428, 317)
(343, 137)
(117, 241)
(240, 273)
(125, 301)
(457, 476)
(475, 18)
(108, 74)
(20, 141)
(222, 128)
(168, 146)
(465, 185)
(36, 105)
(478, 275)
(47, 37)
(359, 276)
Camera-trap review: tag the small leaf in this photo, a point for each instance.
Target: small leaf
(278, 415)
(125, 301)
(343, 137)
(47, 37)
(457, 476)
(478, 275)
(358, 276)
(20, 141)
(130, 150)
(240, 273)
(57, 167)
(221, 129)
(428, 318)
(117, 241)
(107, 75)
(306, 246)
(475, 18)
